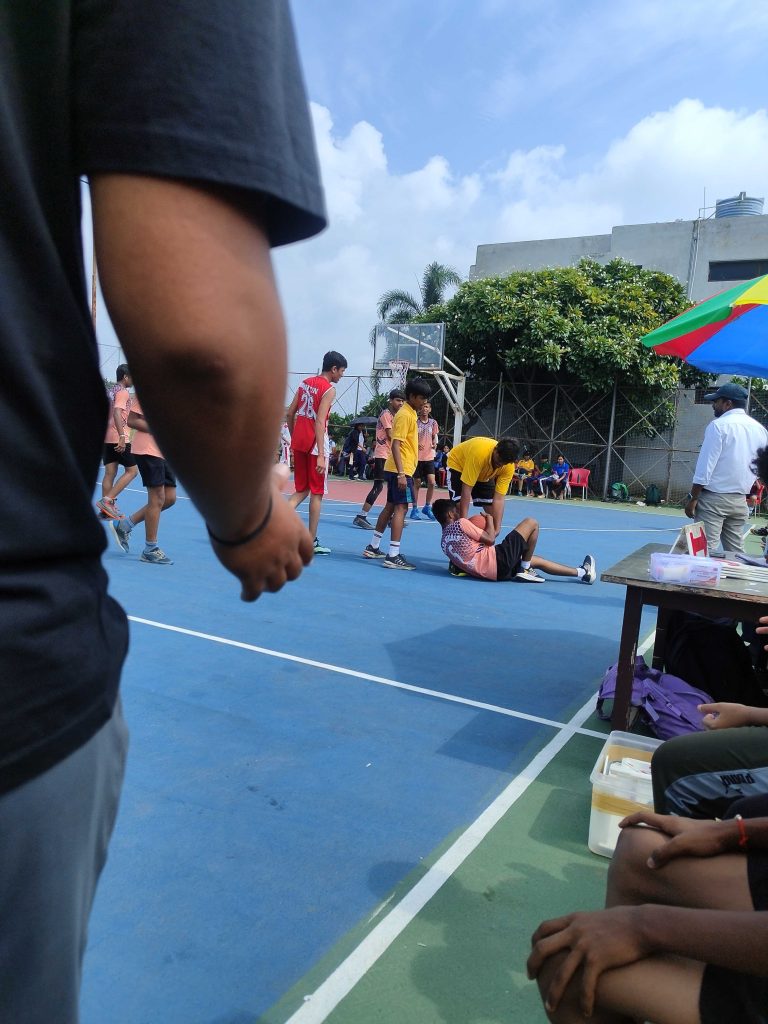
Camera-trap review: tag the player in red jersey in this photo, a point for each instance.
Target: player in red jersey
(308, 422)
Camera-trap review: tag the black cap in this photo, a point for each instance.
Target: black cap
(396, 393)
(122, 371)
(733, 392)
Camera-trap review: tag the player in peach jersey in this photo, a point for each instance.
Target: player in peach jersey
(157, 477)
(425, 470)
(380, 455)
(117, 447)
(469, 544)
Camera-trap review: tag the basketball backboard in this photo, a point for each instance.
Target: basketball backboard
(421, 345)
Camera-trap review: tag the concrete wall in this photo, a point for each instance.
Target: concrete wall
(677, 247)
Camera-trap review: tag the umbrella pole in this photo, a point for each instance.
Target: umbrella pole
(609, 450)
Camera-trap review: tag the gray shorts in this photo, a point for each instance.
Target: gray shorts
(54, 832)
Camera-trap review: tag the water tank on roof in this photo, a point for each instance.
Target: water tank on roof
(741, 205)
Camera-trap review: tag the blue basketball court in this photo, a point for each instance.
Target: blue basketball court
(305, 773)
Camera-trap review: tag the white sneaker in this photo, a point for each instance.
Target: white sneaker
(529, 575)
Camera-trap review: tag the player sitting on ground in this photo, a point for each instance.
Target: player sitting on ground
(469, 544)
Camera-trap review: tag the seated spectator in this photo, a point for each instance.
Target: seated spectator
(523, 469)
(333, 458)
(679, 940)
(556, 479)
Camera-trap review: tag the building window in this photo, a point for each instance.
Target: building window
(737, 270)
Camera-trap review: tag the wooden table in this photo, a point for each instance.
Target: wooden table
(733, 599)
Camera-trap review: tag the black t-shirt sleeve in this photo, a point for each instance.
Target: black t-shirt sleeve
(202, 90)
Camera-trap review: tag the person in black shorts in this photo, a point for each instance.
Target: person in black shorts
(469, 545)
(117, 448)
(383, 446)
(680, 940)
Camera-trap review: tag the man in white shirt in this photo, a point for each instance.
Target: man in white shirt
(723, 476)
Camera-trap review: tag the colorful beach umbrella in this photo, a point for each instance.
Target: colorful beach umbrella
(725, 334)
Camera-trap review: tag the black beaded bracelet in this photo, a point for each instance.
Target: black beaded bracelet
(248, 537)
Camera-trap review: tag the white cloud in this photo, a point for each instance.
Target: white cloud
(386, 227)
(656, 171)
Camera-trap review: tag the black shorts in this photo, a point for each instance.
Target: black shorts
(728, 997)
(394, 495)
(508, 556)
(155, 472)
(425, 469)
(378, 469)
(111, 454)
(482, 492)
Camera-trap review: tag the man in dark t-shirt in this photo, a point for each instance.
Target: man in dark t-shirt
(194, 134)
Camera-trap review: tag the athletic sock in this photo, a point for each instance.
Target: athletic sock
(581, 572)
(376, 540)
(525, 565)
(150, 545)
(394, 549)
(127, 523)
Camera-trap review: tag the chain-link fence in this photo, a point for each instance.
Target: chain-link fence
(625, 435)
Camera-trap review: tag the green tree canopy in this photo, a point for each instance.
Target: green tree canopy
(581, 323)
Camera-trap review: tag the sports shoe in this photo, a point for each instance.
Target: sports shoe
(362, 522)
(319, 549)
(428, 513)
(109, 509)
(415, 514)
(372, 552)
(590, 570)
(120, 533)
(529, 576)
(759, 531)
(454, 570)
(155, 557)
(397, 562)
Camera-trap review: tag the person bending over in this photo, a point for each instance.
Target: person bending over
(469, 544)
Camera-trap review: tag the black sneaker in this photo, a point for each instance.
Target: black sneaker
(397, 562)
(362, 522)
(454, 570)
(590, 570)
(372, 552)
(759, 531)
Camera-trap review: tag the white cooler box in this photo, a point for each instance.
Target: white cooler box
(621, 784)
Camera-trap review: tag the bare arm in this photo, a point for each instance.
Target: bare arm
(138, 422)
(464, 500)
(290, 416)
(322, 413)
(188, 280)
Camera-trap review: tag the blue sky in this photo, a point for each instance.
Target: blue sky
(448, 124)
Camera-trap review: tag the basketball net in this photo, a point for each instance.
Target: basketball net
(399, 369)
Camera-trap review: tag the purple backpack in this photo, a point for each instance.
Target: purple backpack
(668, 706)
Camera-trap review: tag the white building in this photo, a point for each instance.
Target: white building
(706, 255)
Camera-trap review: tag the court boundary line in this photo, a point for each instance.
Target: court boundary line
(367, 676)
(340, 982)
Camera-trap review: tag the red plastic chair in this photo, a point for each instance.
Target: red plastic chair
(755, 498)
(579, 478)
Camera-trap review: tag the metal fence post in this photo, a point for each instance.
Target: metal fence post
(609, 449)
(554, 423)
(499, 403)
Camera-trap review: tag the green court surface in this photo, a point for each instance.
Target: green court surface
(462, 959)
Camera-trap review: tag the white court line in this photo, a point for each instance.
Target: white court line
(369, 677)
(340, 982)
(343, 979)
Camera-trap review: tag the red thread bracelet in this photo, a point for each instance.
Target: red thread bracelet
(743, 837)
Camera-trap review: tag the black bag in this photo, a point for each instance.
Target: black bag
(652, 495)
(710, 654)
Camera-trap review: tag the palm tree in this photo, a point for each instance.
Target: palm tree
(397, 306)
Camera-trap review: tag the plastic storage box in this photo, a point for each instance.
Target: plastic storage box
(696, 571)
(614, 796)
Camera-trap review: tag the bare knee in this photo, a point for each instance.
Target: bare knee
(157, 497)
(629, 874)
